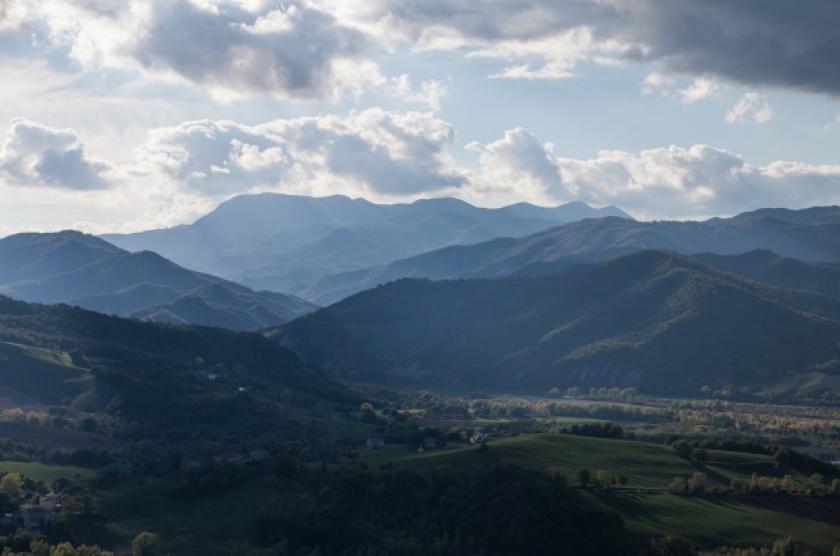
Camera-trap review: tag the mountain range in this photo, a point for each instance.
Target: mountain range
(274, 241)
(83, 270)
(658, 321)
(811, 235)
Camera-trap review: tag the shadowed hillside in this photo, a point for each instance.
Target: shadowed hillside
(144, 371)
(654, 320)
(83, 270)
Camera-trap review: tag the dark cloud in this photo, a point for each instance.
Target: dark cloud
(758, 42)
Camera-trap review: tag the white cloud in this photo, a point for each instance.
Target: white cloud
(373, 152)
(701, 88)
(752, 107)
(671, 182)
(656, 82)
(39, 156)
(181, 171)
(12, 15)
(227, 48)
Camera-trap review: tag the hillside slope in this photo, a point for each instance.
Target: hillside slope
(653, 320)
(83, 270)
(151, 373)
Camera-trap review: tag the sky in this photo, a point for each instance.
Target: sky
(122, 115)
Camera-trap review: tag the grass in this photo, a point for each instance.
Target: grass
(645, 465)
(744, 520)
(44, 472)
(201, 525)
(708, 521)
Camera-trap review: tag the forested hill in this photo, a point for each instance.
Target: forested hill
(148, 372)
(653, 320)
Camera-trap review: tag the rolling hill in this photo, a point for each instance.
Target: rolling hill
(83, 270)
(811, 235)
(147, 372)
(657, 321)
(274, 241)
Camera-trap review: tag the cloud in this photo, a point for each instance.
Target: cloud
(752, 107)
(12, 15)
(755, 42)
(39, 156)
(373, 152)
(670, 182)
(699, 89)
(288, 50)
(294, 49)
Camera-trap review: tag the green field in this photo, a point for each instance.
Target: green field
(210, 524)
(43, 472)
(707, 520)
(744, 520)
(645, 465)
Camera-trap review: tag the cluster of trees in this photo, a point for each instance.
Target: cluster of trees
(599, 430)
(695, 484)
(27, 543)
(492, 510)
(787, 546)
(817, 485)
(601, 479)
(687, 451)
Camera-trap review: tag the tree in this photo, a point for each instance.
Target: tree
(11, 485)
(683, 449)
(603, 478)
(701, 456)
(584, 477)
(785, 547)
(146, 544)
(63, 549)
(697, 482)
(678, 485)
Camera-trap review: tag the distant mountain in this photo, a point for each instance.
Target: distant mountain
(657, 321)
(810, 234)
(83, 270)
(766, 266)
(153, 374)
(274, 241)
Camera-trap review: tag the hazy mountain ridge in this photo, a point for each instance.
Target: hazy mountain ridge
(787, 232)
(276, 241)
(657, 321)
(83, 270)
